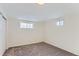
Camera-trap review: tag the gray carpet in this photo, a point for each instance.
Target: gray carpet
(37, 49)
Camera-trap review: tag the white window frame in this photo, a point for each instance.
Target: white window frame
(26, 25)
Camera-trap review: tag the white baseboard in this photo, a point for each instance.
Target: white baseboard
(23, 44)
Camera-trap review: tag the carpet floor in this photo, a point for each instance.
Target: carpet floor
(37, 49)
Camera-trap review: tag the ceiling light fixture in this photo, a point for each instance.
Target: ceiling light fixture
(40, 2)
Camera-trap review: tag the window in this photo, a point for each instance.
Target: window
(60, 23)
(26, 25)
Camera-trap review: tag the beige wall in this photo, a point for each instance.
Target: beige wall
(17, 36)
(66, 37)
(2, 36)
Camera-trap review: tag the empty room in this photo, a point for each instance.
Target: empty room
(37, 29)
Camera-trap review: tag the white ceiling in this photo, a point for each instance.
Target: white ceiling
(35, 12)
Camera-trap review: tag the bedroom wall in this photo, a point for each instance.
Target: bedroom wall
(17, 36)
(66, 37)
